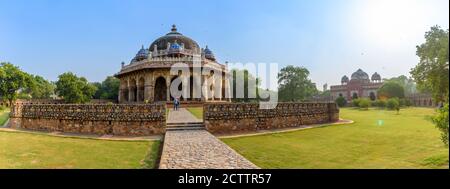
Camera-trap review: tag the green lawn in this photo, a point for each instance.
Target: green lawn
(4, 115)
(197, 112)
(377, 139)
(24, 150)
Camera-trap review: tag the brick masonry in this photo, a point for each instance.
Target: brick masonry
(100, 119)
(221, 118)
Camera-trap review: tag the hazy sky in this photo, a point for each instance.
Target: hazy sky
(331, 38)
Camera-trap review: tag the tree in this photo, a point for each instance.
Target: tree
(12, 79)
(391, 90)
(294, 84)
(442, 123)
(341, 102)
(408, 84)
(40, 88)
(108, 89)
(74, 89)
(432, 72)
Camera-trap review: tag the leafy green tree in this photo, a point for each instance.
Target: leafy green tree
(12, 79)
(294, 84)
(432, 72)
(341, 102)
(408, 84)
(74, 89)
(40, 88)
(442, 123)
(391, 90)
(108, 89)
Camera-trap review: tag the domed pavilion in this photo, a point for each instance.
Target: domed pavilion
(148, 77)
(360, 85)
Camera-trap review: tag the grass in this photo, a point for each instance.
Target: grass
(4, 115)
(30, 151)
(197, 112)
(377, 139)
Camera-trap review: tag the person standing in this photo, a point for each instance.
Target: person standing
(175, 104)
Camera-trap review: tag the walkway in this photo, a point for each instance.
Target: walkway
(181, 116)
(197, 148)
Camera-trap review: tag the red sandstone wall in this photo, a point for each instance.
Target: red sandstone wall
(233, 117)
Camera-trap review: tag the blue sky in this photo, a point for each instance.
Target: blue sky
(331, 38)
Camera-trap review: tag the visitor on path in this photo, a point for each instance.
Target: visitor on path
(175, 104)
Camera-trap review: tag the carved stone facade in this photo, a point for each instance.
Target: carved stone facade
(238, 117)
(121, 120)
(148, 77)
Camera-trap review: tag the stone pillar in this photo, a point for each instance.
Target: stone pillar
(168, 88)
(205, 89)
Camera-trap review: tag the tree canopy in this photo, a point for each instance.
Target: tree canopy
(12, 79)
(40, 88)
(108, 89)
(74, 89)
(432, 72)
(407, 84)
(294, 84)
(391, 90)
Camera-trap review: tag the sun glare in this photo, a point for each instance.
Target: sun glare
(390, 22)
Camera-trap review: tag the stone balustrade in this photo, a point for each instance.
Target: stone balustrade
(239, 117)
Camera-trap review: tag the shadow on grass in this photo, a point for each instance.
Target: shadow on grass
(153, 155)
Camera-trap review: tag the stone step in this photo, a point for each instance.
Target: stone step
(187, 128)
(186, 123)
(191, 125)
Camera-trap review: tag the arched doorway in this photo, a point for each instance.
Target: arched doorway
(124, 91)
(133, 91)
(355, 96)
(160, 90)
(373, 96)
(141, 89)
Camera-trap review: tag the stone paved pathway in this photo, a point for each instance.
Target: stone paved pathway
(197, 149)
(181, 116)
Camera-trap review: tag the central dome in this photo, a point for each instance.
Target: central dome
(360, 75)
(174, 37)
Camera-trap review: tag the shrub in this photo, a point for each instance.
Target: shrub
(341, 102)
(381, 103)
(393, 104)
(364, 103)
(441, 122)
(2, 108)
(355, 102)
